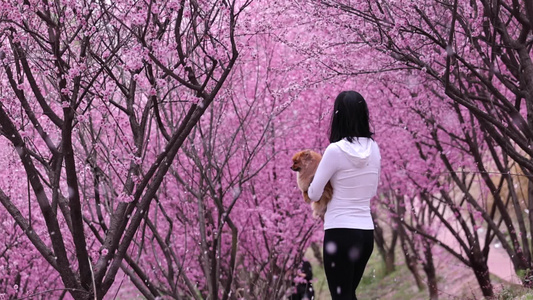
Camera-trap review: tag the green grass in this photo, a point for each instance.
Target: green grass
(399, 284)
(515, 293)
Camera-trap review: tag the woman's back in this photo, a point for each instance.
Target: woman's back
(353, 170)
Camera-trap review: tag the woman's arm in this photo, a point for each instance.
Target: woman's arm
(326, 168)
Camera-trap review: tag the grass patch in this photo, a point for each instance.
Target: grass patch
(399, 284)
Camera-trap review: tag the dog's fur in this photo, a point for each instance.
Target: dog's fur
(305, 164)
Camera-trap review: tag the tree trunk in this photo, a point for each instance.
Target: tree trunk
(318, 255)
(526, 77)
(390, 262)
(410, 257)
(527, 278)
(483, 277)
(386, 253)
(429, 269)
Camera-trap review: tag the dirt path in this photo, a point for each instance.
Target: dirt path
(499, 262)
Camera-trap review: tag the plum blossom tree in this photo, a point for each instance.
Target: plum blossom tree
(462, 194)
(83, 88)
(220, 235)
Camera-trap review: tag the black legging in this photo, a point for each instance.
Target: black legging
(346, 252)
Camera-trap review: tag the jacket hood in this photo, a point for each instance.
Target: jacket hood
(358, 152)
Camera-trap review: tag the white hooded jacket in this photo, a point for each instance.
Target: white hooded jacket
(353, 170)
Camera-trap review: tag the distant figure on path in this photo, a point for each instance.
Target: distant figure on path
(304, 287)
(352, 164)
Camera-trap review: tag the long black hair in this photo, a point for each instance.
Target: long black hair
(350, 118)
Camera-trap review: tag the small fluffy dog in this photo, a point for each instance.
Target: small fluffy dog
(305, 164)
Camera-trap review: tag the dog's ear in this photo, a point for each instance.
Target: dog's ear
(306, 153)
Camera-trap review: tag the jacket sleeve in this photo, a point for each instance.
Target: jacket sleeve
(326, 168)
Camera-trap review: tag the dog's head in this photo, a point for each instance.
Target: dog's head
(299, 160)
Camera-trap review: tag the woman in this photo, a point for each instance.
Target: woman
(352, 164)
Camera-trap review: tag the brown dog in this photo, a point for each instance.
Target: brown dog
(305, 164)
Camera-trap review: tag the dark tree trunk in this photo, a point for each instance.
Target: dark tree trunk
(483, 277)
(390, 262)
(386, 252)
(411, 262)
(318, 255)
(429, 269)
